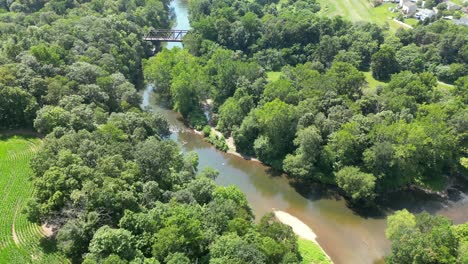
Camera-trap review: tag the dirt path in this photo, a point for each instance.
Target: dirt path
(299, 228)
(402, 23)
(47, 230)
(13, 231)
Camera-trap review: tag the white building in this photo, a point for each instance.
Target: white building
(424, 13)
(407, 7)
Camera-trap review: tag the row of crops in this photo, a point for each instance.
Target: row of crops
(20, 240)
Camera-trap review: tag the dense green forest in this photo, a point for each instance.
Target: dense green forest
(321, 121)
(117, 190)
(107, 177)
(68, 64)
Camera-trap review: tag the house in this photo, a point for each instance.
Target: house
(462, 21)
(407, 7)
(452, 6)
(424, 13)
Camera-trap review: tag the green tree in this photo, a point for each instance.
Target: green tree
(281, 89)
(177, 258)
(346, 79)
(452, 72)
(421, 239)
(231, 248)
(356, 184)
(409, 58)
(48, 54)
(17, 108)
(107, 241)
(182, 232)
(246, 134)
(157, 159)
(302, 163)
(157, 70)
(189, 84)
(233, 111)
(277, 121)
(74, 237)
(345, 146)
(384, 63)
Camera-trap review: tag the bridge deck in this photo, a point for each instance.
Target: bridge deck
(165, 35)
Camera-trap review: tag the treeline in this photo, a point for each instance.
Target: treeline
(107, 178)
(320, 121)
(279, 33)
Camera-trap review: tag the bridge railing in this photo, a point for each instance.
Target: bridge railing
(165, 35)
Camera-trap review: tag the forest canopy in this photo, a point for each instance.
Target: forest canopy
(118, 190)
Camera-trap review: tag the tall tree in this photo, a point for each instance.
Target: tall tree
(384, 63)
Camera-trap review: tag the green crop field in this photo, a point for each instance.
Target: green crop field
(20, 240)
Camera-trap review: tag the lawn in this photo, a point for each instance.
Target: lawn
(20, 240)
(458, 2)
(371, 83)
(361, 10)
(273, 76)
(445, 86)
(412, 21)
(312, 253)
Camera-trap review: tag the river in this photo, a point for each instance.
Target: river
(347, 237)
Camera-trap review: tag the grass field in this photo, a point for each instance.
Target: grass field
(360, 10)
(20, 240)
(311, 253)
(372, 83)
(411, 21)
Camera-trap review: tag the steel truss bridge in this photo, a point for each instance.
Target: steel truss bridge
(165, 35)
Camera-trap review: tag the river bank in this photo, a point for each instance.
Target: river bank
(302, 231)
(231, 145)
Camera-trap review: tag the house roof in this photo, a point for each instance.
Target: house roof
(426, 12)
(461, 21)
(409, 4)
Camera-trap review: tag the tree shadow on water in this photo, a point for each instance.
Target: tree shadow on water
(316, 191)
(274, 172)
(366, 211)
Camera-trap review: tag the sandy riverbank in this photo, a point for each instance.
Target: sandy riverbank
(230, 143)
(299, 228)
(232, 147)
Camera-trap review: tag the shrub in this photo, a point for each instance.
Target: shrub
(197, 120)
(218, 141)
(206, 131)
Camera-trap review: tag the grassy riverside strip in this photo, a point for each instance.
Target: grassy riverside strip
(309, 248)
(311, 252)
